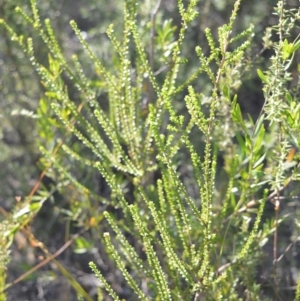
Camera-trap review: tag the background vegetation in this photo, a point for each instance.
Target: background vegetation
(61, 226)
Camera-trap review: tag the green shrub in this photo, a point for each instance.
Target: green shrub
(176, 223)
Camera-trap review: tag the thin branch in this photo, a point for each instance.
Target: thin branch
(152, 46)
(45, 261)
(152, 34)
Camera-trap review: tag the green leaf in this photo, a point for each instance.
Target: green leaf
(296, 46)
(259, 139)
(237, 113)
(241, 142)
(226, 91)
(262, 76)
(34, 207)
(287, 49)
(258, 126)
(289, 97)
(82, 245)
(259, 161)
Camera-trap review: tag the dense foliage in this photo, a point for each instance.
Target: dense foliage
(167, 146)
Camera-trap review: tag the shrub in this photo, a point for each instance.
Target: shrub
(176, 222)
